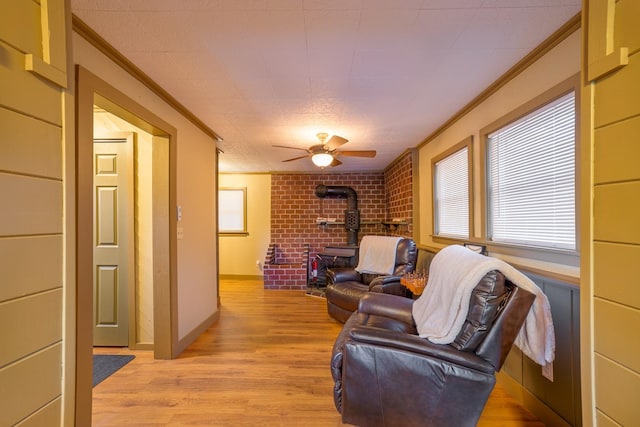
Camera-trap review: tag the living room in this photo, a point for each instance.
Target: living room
(290, 222)
(52, 84)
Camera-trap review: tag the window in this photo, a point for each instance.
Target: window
(232, 211)
(451, 183)
(530, 178)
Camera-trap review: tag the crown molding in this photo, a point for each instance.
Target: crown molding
(87, 33)
(570, 27)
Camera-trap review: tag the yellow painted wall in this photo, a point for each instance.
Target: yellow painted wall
(556, 66)
(611, 249)
(197, 278)
(238, 254)
(559, 66)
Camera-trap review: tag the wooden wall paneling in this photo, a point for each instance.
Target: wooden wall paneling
(33, 46)
(598, 24)
(617, 96)
(603, 421)
(533, 380)
(47, 416)
(30, 146)
(54, 35)
(615, 327)
(612, 42)
(616, 272)
(25, 92)
(604, 54)
(36, 322)
(562, 395)
(513, 364)
(30, 383)
(31, 265)
(616, 212)
(30, 205)
(576, 364)
(625, 31)
(50, 62)
(617, 391)
(617, 149)
(532, 372)
(20, 23)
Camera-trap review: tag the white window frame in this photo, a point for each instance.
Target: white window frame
(232, 211)
(442, 213)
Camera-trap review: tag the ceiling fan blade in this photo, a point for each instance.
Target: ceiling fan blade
(334, 142)
(335, 162)
(293, 148)
(357, 153)
(295, 158)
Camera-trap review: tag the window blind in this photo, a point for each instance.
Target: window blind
(531, 178)
(451, 195)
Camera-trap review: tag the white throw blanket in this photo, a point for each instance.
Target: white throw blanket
(442, 309)
(377, 254)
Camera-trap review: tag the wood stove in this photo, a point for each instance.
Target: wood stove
(333, 256)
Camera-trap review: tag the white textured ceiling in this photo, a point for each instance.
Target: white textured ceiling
(382, 73)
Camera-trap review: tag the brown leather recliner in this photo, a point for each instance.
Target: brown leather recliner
(386, 375)
(345, 286)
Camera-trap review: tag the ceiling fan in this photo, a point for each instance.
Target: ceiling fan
(325, 153)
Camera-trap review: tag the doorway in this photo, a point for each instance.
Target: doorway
(92, 91)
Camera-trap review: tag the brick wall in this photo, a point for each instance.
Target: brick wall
(398, 179)
(279, 275)
(295, 236)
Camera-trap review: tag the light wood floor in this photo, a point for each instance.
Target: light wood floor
(265, 363)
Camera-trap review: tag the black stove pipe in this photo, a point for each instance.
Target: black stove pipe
(351, 215)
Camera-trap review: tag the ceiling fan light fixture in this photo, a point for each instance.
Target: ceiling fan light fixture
(322, 159)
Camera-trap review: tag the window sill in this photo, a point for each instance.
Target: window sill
(233, 233)
(560, 264)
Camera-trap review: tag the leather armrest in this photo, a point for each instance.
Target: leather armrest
(388, 285)
(392, 306)
(382, 281)
(343, 274)
(385, 280)
(419, 346)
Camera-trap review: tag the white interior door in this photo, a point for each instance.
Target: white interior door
(113, 240)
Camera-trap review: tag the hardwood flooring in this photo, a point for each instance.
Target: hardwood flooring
(264, 363)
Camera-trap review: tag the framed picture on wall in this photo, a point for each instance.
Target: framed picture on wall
(232, 210)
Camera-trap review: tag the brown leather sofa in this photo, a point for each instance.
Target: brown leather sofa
(345, 286)
(386, 375)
